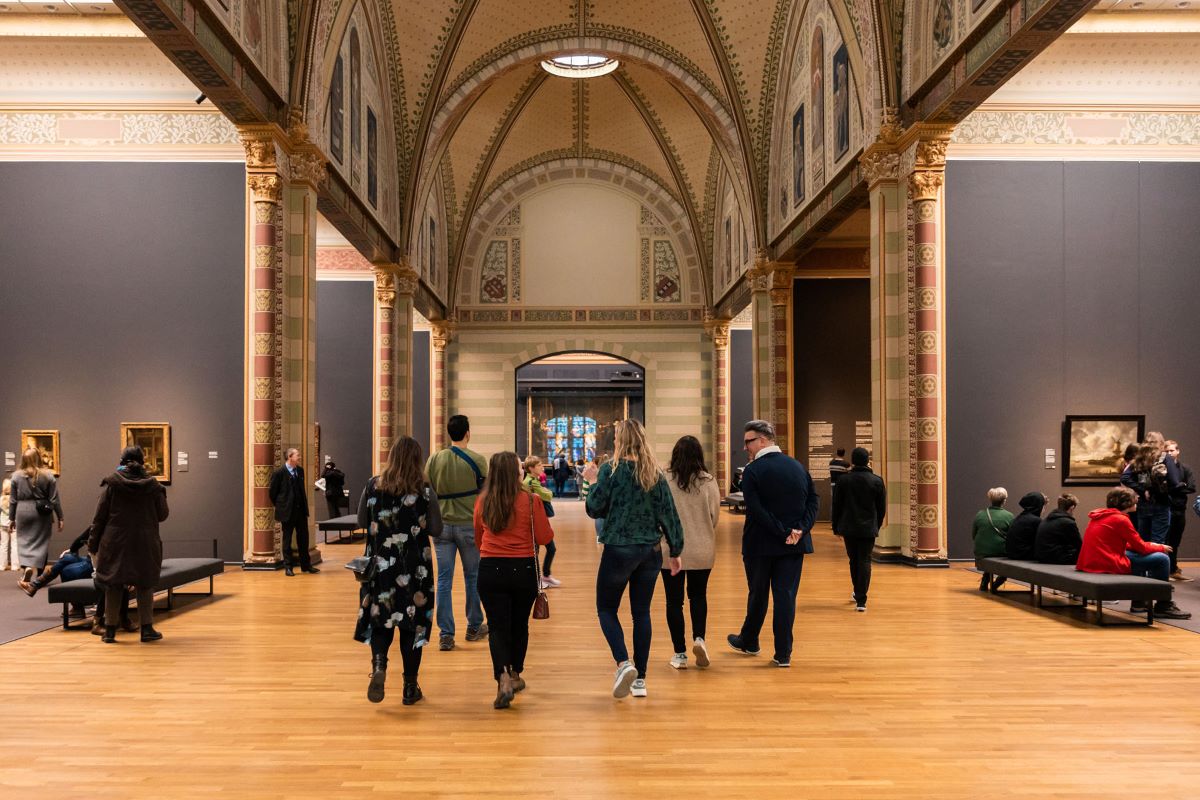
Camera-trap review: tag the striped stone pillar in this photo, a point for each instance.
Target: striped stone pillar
(442, 332)
(771, 298)
(264, 344)
(889, 418)
(402, 351)
(385, 315)
(718, 330)
(926, 329)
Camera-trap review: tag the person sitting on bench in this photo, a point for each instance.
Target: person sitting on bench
(1111, 545)
(1058, 540)
(1019, 542)
(988, 532)
(70, 566)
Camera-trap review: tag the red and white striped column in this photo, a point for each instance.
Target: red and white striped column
(718, 329)
(385, 312)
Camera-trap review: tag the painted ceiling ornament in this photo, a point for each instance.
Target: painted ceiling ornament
(943, 24)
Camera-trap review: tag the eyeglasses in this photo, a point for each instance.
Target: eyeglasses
(747, 442)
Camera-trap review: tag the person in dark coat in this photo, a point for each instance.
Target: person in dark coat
(859, 506)
(781, 507)
(562, 473)
(126, 543)
(1058, 540)
(1019, 544)
(289, 495)
(335, 489)
(1179, 504)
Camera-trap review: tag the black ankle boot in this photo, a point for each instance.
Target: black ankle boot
(378, 677)
(412, 692)
(110, 634)
(983, 582)
(149, 634)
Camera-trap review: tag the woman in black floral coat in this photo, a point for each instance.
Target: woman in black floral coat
(400, 512)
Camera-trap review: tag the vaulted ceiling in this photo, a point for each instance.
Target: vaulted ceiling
(693, 91)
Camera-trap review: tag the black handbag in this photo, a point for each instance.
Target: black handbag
(363, 567)
(40, 501)
(546, 504)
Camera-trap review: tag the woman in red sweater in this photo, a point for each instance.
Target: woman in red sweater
(508, 520)
(1111, 545)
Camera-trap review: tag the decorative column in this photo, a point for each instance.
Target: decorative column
(441, 335)
(926, 329)
(264, 343)
(771, 298)
(889, 418)
(385, 313)
(718, 330)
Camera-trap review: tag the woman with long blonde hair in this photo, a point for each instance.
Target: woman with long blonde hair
(400, 512)
(33, 504)
(509, 519)
(632, 496)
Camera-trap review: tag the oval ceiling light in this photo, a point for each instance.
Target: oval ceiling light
(580, 65)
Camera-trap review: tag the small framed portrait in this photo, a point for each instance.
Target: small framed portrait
(1094, 448)
(155, 440)
(46, 443)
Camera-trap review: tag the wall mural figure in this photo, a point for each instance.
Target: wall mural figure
(372, 160)
(666, 273)
(337, 111)
(943, 26)
(433, 262)
(252, 26)
(816, 122)
(798, 156)
(355, 96)
(841, 102)
(493, 280)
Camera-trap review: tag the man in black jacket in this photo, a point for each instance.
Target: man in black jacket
(781, 507)
(289, 494)
(859, 506)
(1179, 503)
(1021, 534)
(335, 489)
(1058, 540)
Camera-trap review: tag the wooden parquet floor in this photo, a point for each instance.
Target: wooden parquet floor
(936, 692)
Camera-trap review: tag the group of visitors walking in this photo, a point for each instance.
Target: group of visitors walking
(1137, 532)
(124, 548)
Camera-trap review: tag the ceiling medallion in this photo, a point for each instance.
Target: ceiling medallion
(580, 65)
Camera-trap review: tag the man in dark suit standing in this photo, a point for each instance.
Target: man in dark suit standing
(859, 506)
(288, 493)
(781, 507)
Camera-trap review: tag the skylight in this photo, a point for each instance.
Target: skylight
(580, 65)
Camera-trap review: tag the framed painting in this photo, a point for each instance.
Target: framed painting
(46, 443)
(1093, 447)
(155, 440)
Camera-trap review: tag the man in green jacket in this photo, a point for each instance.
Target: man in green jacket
(457, 474)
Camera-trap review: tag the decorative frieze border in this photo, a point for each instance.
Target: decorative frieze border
(1124, 135)
(579, 316)
(166, 133)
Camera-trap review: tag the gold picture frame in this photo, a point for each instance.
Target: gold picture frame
(155, 440)
(46, 443)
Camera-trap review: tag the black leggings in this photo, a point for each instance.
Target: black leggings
(507, 589)
(549, 559)
(696, 581)
(381, 640)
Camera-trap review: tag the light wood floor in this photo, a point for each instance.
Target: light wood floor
(936, 692)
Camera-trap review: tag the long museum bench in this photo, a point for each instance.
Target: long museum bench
(175, 572)
(1084, 585)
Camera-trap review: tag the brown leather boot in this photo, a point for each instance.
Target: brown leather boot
(504, 691)
(518, 683)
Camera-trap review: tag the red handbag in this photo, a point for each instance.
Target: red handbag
(541, 604)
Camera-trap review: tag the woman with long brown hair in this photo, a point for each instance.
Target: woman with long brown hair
(509, 519)
(633, 497)
(32, 507)
(400, 512)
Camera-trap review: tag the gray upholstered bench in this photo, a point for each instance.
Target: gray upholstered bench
(175, 572)
(1084, 585)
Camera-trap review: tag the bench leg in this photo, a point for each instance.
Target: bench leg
(66, 617)
(1100, 612)
(1039, 597)
(1150, 613)
(170, 599)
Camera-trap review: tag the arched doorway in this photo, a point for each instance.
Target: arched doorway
(570, 402)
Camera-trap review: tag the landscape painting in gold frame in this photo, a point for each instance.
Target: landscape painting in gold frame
(155, 440)
(46, 443)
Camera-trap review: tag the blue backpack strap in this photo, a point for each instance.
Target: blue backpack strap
(474, 468)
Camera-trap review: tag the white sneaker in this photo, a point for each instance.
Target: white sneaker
(701, 653)
(626, 674)
(550, 580)
(679, 661)
(543, 584)
(861, 609)
(639, 688)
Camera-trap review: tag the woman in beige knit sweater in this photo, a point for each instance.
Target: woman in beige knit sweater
(698, 502)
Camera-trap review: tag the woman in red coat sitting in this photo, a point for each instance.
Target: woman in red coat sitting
(1111, 545)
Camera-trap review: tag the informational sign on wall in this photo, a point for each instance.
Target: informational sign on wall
(864, 432)
(820, 448)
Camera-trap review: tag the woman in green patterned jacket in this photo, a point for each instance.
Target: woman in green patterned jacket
(633, 497)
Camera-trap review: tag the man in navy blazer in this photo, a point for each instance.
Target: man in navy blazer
(781, 507)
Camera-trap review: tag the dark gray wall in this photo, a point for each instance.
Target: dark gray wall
(345, 362)
(833, 380)
(122, 301)
(1071, 289)
(421, 397)
(741, 394)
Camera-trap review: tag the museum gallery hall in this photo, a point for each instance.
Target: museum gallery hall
(824, 366)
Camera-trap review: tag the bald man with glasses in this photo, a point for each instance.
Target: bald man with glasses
(781, 507)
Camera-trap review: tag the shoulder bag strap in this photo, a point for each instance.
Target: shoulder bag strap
(537, 568)
(988, 511)
(474, 468)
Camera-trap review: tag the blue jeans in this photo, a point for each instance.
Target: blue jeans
(1152, 565)
(71, 567)
(458, 539)
(636, 566)
(1153, 522)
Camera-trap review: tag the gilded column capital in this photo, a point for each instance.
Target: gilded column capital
(407, 281)
(891, 128)
(265, 187)
(385, 288)
(718, 331)
(297, 128)
(925, 184)
(442, 333)
(308, 167)
(931, 154)
(263, 150)
(880, 165)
